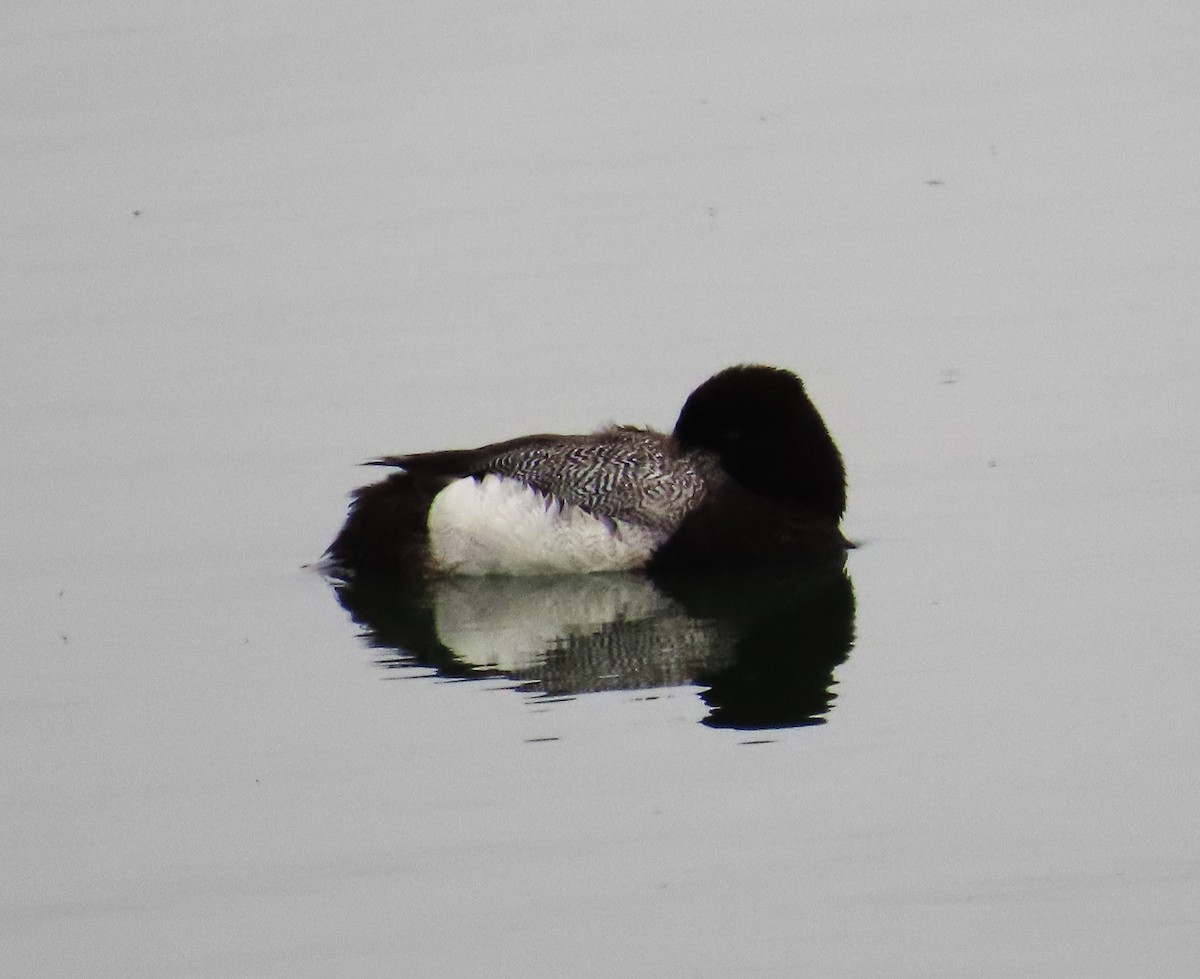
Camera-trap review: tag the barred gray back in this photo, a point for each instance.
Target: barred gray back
(628, 474)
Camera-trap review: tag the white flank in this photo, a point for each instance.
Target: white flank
(502, 526)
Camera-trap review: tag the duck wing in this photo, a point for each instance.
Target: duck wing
(635, 475)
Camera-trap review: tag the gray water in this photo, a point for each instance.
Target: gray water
(246, 249)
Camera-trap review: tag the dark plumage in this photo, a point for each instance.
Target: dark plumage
(749, 476)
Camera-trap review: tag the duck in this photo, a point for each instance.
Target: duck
(748, 478)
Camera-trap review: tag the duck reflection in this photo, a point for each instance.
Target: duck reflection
(763, 646)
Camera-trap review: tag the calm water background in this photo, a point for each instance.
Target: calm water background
(245, 249)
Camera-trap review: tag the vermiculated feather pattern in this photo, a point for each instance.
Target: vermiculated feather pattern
(626, 474)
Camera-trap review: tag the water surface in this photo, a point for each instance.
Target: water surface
(246, 249)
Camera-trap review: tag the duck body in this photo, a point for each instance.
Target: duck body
(749, 476)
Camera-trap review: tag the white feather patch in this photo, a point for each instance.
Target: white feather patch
(498, 525)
